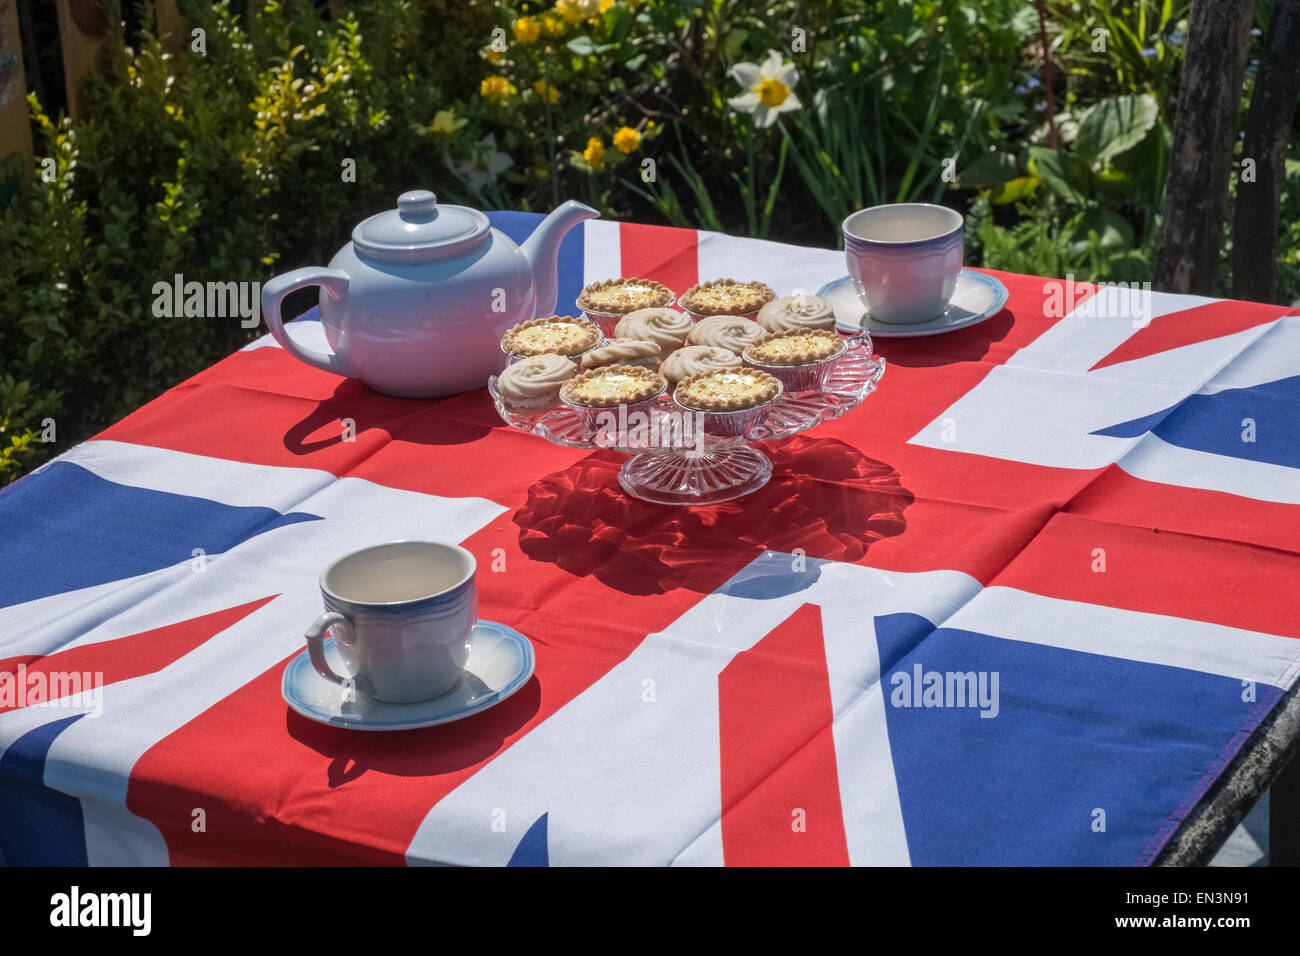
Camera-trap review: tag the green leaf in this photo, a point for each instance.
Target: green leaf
(583, 46)
(1065, 174)
(988, 171)
(1113, 230)
(1022, 187)
(1114, 126)
(735, 42)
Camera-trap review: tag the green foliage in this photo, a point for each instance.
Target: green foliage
(237, 163)
(224, 166)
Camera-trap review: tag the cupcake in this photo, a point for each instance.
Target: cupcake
(732, 400)
(606, 389)
(553, 335)
(694, 359)
(800, 358)
(606, 302)
(730, 332)
(531, 385)
(726, 297)
(665, 327)
(796, 312)
(641, 352)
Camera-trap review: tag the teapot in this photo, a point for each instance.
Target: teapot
(416, 304)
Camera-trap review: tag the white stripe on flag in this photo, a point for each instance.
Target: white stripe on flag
(1132, 635)
(602, 251)
(787, 269)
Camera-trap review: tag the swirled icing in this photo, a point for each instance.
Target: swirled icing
(796, 312)
(667, 328)
(623, 352)
(730, 332)
(694, 359)
(533, 384)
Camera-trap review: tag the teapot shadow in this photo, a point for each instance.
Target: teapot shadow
(426, 752)
(825, 498)
(456, 420)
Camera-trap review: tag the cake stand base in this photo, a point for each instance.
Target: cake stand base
(685, 477)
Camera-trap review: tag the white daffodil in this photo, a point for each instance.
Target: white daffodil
(484, 165)
(768, 89)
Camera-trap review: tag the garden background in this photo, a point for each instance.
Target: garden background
(231, 163)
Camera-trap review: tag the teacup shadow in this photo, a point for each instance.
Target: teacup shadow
(825, 498)
(426, 752)
(971, 344)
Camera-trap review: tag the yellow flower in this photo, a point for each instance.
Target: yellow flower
(576, 11)
(552, 24)
(594, 154)
(627, 139)
(445, 121)
(546, 91)
(496, 88)
(493, 56)
(527, 30)
(605, 5)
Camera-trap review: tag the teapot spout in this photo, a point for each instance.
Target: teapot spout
(542, 247)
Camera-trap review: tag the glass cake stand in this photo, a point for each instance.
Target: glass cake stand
(670, 462)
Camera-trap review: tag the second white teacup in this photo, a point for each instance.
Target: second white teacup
(904, 259)
(402, 615)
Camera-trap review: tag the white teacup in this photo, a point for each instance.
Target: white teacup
(904, 259)
(402, 615)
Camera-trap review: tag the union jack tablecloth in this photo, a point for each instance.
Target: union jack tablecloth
(1084, 526)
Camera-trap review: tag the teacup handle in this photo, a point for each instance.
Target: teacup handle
(316, 645)
(335, 284)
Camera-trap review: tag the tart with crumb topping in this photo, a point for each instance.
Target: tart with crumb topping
(621, 296)
(800, 358)
(553, 335)
(611, 386)
(606, 302)
(731, 400)
(726, 297)
(727, 390)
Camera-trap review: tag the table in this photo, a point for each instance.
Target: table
(1072, 510)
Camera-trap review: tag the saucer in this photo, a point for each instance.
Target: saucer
(976, 298)
(500, 662)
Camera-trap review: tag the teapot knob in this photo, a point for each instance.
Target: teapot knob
(418, 205)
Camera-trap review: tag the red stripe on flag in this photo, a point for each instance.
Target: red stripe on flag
(1159, 571)
(667, 255)
(417, 445)
(1117, 496)
(780, 786)
(122, 658)
(1189, 326)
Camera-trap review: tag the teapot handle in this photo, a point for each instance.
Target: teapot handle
(335, 284)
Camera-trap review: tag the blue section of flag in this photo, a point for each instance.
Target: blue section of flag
(531, 850)
(67, 528)
(1218, 423)
(1075, 734)
(38, 826)
(570, 259)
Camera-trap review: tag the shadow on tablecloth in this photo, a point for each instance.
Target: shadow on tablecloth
(825, 497)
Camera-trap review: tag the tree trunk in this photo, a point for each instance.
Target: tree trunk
(1196, 191)
(1272, 109)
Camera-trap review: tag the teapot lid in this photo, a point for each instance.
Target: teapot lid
(419, 228)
